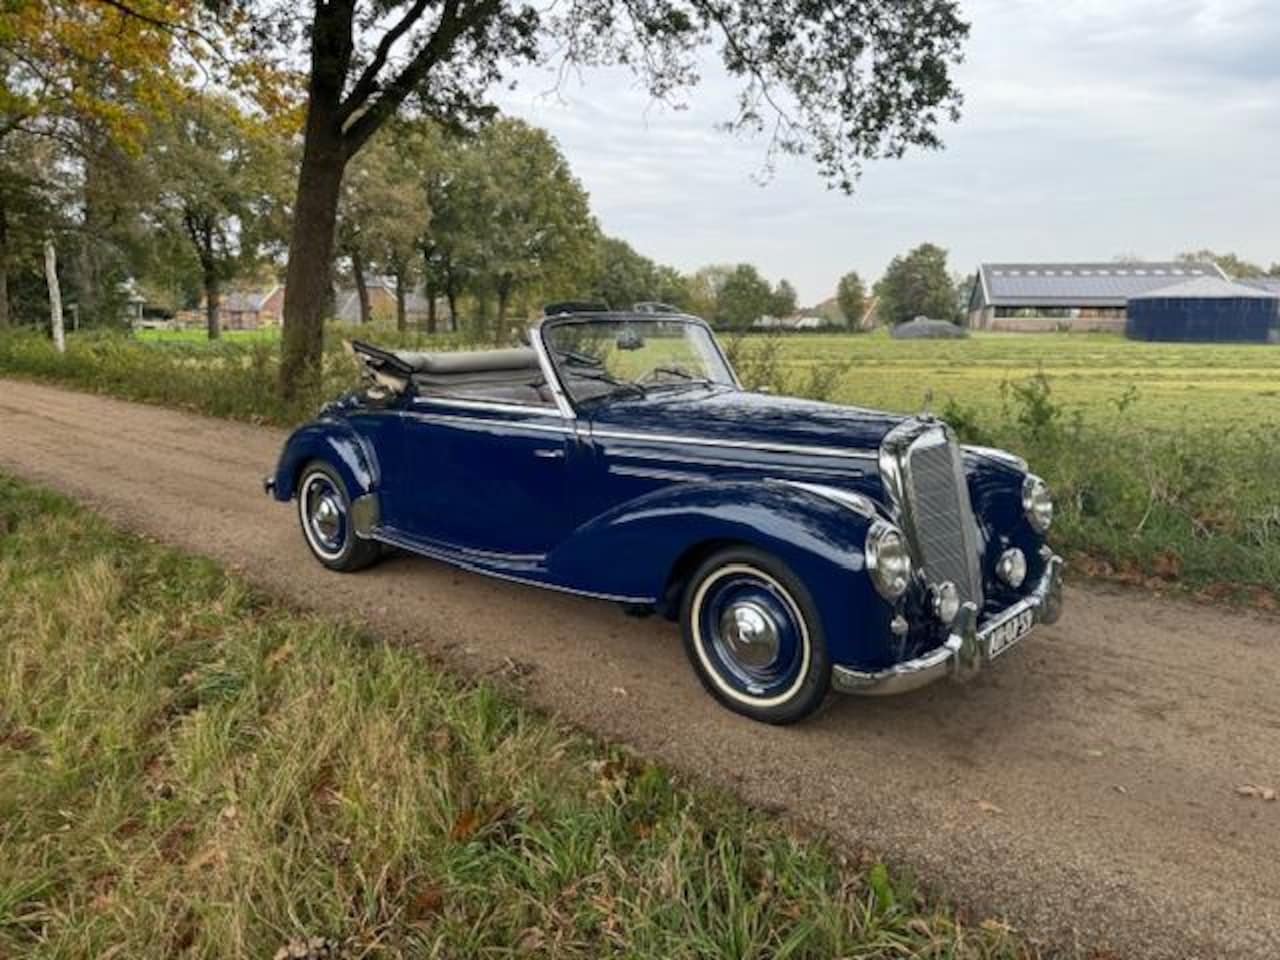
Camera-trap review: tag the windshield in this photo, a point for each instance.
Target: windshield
(604, 357)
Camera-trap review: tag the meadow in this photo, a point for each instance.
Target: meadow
(189, 769)
(1163, 457)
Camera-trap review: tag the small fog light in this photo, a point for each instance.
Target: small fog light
(1012, 567)
(946, 602)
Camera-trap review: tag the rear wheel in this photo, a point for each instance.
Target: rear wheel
(753, 635)
(324, 512)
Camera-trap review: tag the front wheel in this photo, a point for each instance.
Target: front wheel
(753, 635)
(324, 511)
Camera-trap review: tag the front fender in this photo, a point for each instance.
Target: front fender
(337, 443)
(633, 549)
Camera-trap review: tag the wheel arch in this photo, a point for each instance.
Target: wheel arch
(334, 443)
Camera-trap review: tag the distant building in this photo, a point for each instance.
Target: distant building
(250, 309)
(1206, 310)
(797, 322)
(1069, 296)
(382, 303)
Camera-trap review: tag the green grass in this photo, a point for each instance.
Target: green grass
(189, 769)
(1163, 456)
(1167, 385)
(198, 335)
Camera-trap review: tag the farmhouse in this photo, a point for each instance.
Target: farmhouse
(1069, 296)
(382, 302)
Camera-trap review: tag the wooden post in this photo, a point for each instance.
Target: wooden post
(55, 296)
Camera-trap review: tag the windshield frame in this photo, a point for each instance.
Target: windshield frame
(552, 363)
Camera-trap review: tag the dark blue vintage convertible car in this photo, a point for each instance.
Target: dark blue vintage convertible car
(803, 546)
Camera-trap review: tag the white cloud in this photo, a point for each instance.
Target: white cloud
(1090, 128)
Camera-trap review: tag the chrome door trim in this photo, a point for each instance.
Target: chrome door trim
(736, 444)
(496, 406)
(449, 419)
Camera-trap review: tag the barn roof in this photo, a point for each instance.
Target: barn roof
(1270, 284)
(1079, 284)
(1207, 288)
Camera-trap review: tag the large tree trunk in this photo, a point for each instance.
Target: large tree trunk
(504, 300)
(429, 289)
(212, 303)
(451, 294)
(308, 276)
(402, 321)
(362, 288)
(55, 296)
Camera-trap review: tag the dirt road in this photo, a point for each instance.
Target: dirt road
(1083, 788)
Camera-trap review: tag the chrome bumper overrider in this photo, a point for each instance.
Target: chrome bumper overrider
(965, 650)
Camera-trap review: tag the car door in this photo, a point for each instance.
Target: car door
(489, 478)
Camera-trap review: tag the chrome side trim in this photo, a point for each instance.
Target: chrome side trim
(494, 405)
(486, 421)
(655, 473)
(366, 514)
(862, 505)
(964, 651)
(549, 374)
(734, 444)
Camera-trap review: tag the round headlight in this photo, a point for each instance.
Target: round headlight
(946, 602)
(888, 560)
(1012, 567)
(1037, 503)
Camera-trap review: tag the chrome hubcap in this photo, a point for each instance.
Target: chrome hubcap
(326, 518)
(750, 634)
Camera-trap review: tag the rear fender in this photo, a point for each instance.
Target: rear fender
(336, 443)
(633, 549)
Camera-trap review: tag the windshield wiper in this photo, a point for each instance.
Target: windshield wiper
(612, 381)
(687, 379)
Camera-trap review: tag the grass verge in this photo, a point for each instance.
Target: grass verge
(187, 769)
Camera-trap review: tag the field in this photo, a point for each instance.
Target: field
(188, 769)
(1163, 456)
(1098, 375)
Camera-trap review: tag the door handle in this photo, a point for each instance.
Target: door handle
(546, 454)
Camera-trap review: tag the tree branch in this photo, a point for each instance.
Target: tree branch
(368, 82)
(454, 20)
(171, 27)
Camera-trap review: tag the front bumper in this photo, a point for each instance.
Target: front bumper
(965, 650)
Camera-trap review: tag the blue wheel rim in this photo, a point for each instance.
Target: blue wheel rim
(751, 632)
(324, 514)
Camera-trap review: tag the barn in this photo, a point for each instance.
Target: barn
(1206, 309)
(1034, 297)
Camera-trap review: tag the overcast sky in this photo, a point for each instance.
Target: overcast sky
(1091, 128)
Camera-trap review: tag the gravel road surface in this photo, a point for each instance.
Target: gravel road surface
(1083, 788)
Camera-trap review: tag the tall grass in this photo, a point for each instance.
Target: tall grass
(187, 769)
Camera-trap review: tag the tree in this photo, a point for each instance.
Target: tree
(1228, 263)
(851, 299)
(219, 175)
(843, 82)
(917, 284)
(744, 297)
(524, 218)
(625, 277)
(384, 212)
(783, 303)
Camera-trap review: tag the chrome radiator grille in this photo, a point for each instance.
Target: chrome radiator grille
(939, 515)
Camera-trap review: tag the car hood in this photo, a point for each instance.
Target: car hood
(741, 417)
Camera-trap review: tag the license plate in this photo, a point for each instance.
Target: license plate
(1004, 636)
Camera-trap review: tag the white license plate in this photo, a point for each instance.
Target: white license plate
(1004, 636)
